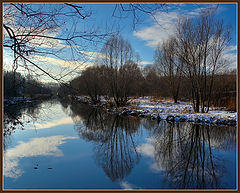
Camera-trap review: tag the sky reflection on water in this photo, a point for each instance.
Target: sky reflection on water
(95, 150)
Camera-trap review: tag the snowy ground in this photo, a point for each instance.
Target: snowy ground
(166, 109)
(183, 111)
(15, 100)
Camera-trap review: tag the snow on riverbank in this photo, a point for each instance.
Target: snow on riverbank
(166, 109)
(182, 111)
(15, 100)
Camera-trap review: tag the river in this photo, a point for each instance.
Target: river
(67, 145)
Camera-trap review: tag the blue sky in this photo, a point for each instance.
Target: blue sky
(144, 36)
(148, 33)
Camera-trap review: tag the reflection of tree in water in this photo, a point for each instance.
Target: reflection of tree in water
(185, 152)
(14, 114)
(150, 125)
(18, 115)
(115, 149)
(118, 155)
(94, 124)
(65, 105)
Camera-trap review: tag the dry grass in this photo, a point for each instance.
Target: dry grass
(228, 102)
(231, 104)
(186, 110)
(156, 99)
(133, 97)
(133, 107)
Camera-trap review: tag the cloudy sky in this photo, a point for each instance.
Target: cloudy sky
(144, 36)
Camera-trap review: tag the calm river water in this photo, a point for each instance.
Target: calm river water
(74, 146)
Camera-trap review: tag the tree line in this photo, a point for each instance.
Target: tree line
(17, 85)
(189, 65)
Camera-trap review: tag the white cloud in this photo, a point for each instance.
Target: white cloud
(48, 42)
(143, 63)
(93, 55)
(146, 149)
(162, 29)
(165, 25)
(198, 11)
(156, 168)
(63, 121)
(231, 49)
(44, 146)
(230, 55)
(71, 64)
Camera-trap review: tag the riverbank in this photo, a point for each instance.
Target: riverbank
(166, 109)
(17, 100)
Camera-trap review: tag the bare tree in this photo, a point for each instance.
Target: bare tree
(201, 44)
(122, 71)
(151, 84)
(137, 10)
(35, 31)
(169, 65)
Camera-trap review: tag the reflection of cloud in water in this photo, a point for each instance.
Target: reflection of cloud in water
(54, 123)
(148, 150)
(126, 186)
(44, 146)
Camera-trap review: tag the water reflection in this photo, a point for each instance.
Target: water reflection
(13, 114)
(43, 146)
(186, 153)
(21, 115)
(164, 155)
(115, 148)
(118, 154)
(14, 119)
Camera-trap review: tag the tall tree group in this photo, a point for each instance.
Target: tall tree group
(195, 52)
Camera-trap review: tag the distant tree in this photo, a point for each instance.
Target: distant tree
(64, 90)
(130, 75)
(152, 84)
(13, 84)
(224, 92)
(91, 83)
